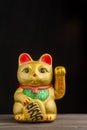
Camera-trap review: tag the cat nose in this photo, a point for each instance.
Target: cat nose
(34, 75)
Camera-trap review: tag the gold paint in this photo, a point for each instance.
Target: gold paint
(37, 74)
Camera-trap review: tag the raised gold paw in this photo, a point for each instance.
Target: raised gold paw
(60, 71)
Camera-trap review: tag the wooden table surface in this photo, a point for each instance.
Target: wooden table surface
(63, 122)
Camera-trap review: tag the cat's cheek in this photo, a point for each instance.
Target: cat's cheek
(47, 77)
(21, 78)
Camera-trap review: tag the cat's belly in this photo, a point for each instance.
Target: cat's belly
(40, 95)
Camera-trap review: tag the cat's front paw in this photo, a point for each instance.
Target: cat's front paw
(50, 117)
(27, 100)
(19, 117)
(60, 71)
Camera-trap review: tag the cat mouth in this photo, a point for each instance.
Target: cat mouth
(34, 82)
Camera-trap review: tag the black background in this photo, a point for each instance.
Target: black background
(38, 27)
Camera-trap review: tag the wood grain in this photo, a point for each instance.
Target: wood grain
(63, 122)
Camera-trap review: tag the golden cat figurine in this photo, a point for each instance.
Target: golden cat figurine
(34, 100)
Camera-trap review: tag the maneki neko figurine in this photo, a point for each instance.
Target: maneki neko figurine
(34, 99)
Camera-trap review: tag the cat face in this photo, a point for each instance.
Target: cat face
(35, 73)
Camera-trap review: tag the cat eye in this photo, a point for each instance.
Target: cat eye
(26, 70)
(43, 70)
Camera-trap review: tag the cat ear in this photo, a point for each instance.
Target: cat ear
(24, 57)
(46, 58)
